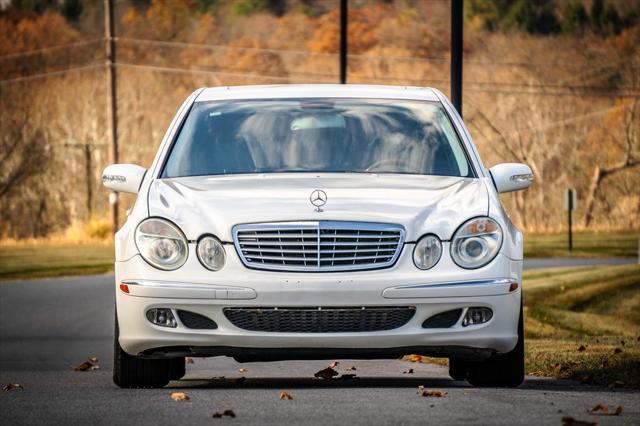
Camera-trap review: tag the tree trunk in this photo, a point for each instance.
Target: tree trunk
(591, 195)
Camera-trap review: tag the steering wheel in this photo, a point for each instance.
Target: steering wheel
(401, 166)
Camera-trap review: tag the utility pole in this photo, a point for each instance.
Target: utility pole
(456, 54)
(112, 100)
(343, 40)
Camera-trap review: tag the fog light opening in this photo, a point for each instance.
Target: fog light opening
(162, 317)
(477, 315)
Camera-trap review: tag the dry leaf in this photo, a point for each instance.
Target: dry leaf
(89, 365)
(179, 396)
(220, 414)
(85, 366)
(414, 358)
(242, 370)
(582, 348)
(188, 360)
(285, 395)
(604, 410)
(599, 408)
(431, 393)
(327, 373)
(617, 351)
(570, 421)
(352, 368)
(12, 386)
(409, 371)
(334, 364)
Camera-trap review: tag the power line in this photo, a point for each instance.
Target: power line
(570, 120)
(50, 74)
(335, 55)
(484, 87)
(51, 48)
(209, 72)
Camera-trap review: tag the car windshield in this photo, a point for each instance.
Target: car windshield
(317, 135)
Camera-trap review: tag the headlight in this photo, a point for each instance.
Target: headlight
(427, 252)
(211, 253)
(161, 244)
(476, 242)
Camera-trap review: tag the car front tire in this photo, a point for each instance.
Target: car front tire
(505, 370)
(458, 369)
(136, 372)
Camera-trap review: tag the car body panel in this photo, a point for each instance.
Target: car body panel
(421, 204)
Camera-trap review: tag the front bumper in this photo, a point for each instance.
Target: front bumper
(194, 289)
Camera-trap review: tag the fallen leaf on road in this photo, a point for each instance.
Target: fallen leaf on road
(582, 348)
(89, 365)
(409, 371)
(604, 410)
(285, 395)
(12, 386)
(334, 364)
(220, 414)
(243, 370)
(570, 421)
(414, 358)
(179, 396)
(327, 373)
(617, 351)
(188, 360)
(352, 368)
(431, 392)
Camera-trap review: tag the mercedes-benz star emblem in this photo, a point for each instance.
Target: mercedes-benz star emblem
(318, 198)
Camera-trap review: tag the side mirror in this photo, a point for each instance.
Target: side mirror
(511, 176)
(123, 177)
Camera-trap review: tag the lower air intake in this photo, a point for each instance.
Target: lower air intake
(320, 320)
(443, 320)
(197, 321)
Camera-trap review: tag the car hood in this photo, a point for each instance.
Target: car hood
(214, 204)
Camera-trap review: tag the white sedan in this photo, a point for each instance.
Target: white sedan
(318, 222)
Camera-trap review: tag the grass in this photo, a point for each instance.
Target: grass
(584, 324)
(581, 324)
(619, 244)
(37, 260)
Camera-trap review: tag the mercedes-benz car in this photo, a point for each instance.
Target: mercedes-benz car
(318, 222)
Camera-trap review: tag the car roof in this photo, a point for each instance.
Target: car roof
(284, 91)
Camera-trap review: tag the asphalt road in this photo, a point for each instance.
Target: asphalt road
(47, 326)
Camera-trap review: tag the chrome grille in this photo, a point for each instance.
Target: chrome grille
(318, 246)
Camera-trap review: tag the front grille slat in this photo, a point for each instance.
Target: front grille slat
(318, 246)
(320, 319)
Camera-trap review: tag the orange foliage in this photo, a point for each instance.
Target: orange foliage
(34, 32)
(361, 34)
(253, 61)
